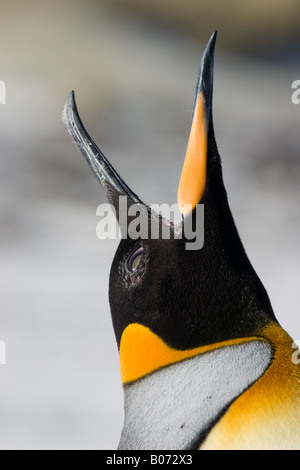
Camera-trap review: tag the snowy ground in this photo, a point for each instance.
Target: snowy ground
(134, 85)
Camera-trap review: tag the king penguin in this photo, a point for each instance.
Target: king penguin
(204, 362)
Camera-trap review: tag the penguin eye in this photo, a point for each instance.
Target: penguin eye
(135, 259)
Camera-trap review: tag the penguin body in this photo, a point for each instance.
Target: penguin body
(204, 362)
(193, 402)
(267, 415)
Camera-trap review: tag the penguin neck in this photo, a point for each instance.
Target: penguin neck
(175, 407)
(228, 291)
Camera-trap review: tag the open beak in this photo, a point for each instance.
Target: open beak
(111, 182)
(193, 179)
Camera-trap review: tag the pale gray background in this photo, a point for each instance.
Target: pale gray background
(134, 70)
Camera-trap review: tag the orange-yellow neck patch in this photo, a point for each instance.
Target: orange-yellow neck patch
(142, 352)
(267, 415)
(193, 177)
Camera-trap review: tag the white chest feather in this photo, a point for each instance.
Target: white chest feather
(174, 407)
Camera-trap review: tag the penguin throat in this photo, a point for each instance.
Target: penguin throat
(176, 407)
(143, 352)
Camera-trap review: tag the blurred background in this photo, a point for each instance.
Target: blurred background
(133, 65)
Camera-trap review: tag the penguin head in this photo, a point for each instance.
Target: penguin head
(165, 296)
